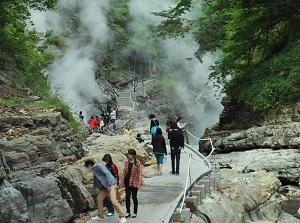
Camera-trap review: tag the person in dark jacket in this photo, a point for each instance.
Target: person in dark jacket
(159, 149)
(176, 144)
(154, 124)
(139, 138)
(115, 172)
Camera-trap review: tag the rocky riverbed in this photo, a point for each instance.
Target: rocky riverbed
(247, 141)
(244, 197)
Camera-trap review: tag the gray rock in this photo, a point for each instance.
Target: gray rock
(44, 200)
(13, 207)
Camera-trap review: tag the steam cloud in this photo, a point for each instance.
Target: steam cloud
(202, 103)
(73, 75)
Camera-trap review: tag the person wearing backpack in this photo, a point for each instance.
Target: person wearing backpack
(154, 124)
(159, 149)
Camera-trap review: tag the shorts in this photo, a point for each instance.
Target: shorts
(159, 158)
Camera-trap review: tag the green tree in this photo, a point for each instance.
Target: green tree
(249, 33)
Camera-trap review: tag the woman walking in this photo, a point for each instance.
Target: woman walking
(159, 149)
(132, 181)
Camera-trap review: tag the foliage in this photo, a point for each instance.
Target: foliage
(24, 51)
(250, 34)
(54, 101)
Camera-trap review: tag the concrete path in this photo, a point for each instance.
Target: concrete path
(159, 193)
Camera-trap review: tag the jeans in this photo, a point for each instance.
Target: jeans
(131, 191)
(95, 130)
(175, 155)
(113, 121)
(109, 205)
(113, 197)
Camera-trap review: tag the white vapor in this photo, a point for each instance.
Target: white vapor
(202, 103)
(73, 74)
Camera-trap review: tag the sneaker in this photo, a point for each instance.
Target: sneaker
(97, 218)
(123, 220)
(177, 174)
(109, 214)
(171, 173)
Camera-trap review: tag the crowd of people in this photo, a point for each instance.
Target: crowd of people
(98, 124)
(106, 178)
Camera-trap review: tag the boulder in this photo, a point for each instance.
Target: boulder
(12, 205)
(284, 164)
(250, 197)
(43, 198)
(97, 143)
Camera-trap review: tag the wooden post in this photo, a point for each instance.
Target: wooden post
(187, 137)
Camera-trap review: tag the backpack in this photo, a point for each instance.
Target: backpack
(154, 128)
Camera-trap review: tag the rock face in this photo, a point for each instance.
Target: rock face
(15, 205)
(245, 198)
(36, 146)
(284, 164)
(241, 129)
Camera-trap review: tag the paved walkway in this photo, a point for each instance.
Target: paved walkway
(159, 193)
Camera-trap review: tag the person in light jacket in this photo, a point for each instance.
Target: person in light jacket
(132, 181)
(159, 149)
(113, 117)
(106, 185)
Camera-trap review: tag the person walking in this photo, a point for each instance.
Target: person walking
(176, 144)
(132, 181)
(154, 124)
(127, 130)
(93, 124)
(159, 149)
(106, 185)
(113, 117)
(115, 172)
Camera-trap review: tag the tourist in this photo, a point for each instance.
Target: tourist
(115, 172)
(168, 129)
(139, 138)
(101, 125)
(176, 144)
(81, 116)
(106, 185)
(93, 124)
(180, 124)
(153, 70)
(159, 149)
(154, 124)
(132, 181)
(127, 130)
(106, 119)
(113, 117)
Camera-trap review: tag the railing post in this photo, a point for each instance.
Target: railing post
(187, 137)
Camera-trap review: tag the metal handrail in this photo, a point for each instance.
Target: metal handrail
(181, 196)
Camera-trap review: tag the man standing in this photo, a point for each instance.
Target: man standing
(93, 124)
(113, 117)
(176, 144)
(106, 184)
